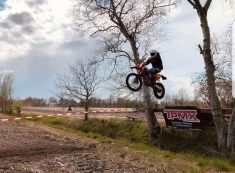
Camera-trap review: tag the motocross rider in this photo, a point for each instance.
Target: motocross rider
(156, 62)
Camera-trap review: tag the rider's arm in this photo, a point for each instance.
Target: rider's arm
(148, 61)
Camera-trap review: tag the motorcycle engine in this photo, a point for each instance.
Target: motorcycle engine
(147, 81)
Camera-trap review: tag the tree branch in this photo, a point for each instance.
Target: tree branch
(200, 47)
(192, 3)
(207, 5)
(197, 3)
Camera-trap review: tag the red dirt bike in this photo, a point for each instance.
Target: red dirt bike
(134, 81)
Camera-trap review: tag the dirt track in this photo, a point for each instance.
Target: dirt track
(102, 115)
(29, 147)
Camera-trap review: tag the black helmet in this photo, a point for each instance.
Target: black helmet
(153, 52)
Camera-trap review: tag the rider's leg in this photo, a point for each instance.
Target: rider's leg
(152, 72)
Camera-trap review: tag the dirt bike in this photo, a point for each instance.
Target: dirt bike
(134, 81)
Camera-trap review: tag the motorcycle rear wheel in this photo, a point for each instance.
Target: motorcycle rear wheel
(133, 82)
(159, 90)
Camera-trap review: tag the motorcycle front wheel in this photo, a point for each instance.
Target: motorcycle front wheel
(159, 90)
(133, 82)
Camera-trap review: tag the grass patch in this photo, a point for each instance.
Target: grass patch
(114, 129)
(197, 142)
(199, 147)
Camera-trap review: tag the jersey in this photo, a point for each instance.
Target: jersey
(156, 61)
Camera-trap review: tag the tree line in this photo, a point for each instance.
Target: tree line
(32, 101)
(110, 102)
(181, 98)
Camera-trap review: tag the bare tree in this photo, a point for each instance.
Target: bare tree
(183, 95)
(167, 100)
(6, 88)
(181, 98)
(126, 29)
(52, 101)
(80, 83)
(222, 55)
(200, 87)
(206, 51)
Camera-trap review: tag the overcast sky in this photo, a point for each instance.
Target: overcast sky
(37, 41)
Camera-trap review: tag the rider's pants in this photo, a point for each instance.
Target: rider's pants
(154, 70)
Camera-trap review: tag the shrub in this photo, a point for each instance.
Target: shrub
(17, 107)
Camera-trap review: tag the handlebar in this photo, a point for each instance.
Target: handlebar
(138, 66)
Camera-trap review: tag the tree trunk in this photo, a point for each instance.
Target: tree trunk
(86, 113)
(154, 128)
(135, 50)
(231, 132)
(86, 107)
(86, 110)
(210, 69)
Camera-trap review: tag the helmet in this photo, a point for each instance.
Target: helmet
(153, 52)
